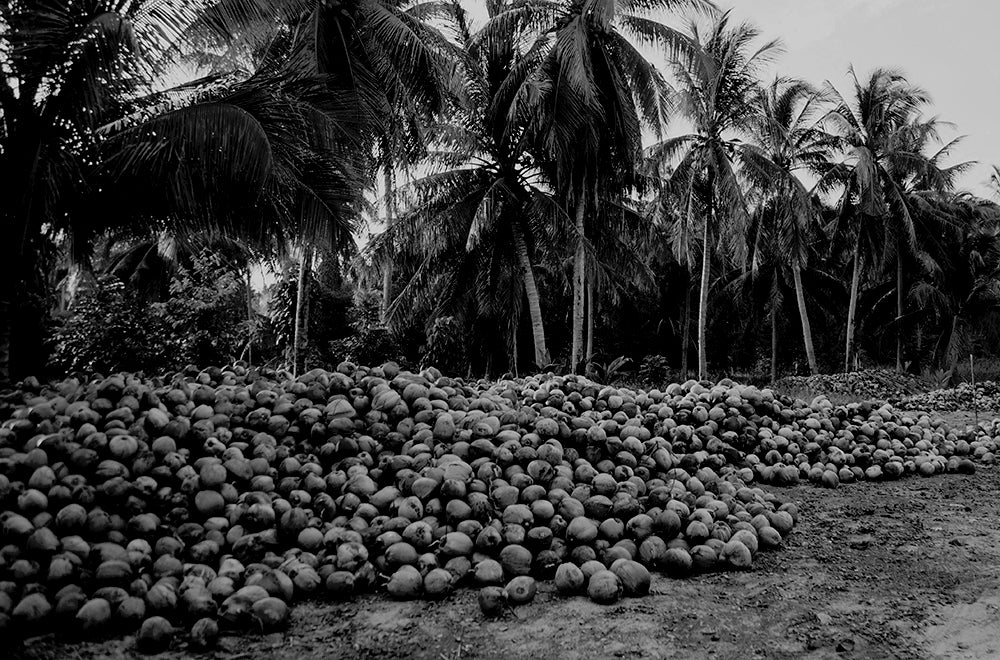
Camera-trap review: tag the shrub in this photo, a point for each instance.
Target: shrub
(109, 329)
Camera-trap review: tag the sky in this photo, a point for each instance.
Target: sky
(947, 47)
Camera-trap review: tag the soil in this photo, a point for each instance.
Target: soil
(905, 569)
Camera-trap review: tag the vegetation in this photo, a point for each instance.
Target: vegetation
(553, 210)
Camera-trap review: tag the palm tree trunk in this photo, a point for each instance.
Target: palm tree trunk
(250, 322)
(390, 218)
(534, 304)
(513, 352)
(706, 267)
(579, 274)
(774, 341)
(852, 308)
(590, 320)
(686, 328)
(949, 357)
(300, 342)
(899, 309)
(5, 332)
(800, 299)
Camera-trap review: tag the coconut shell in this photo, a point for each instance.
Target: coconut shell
(270, 614)
(94, 617)
(130, 613)
(438, 583)
(515, 560)
(521, 590)
(604, 587)
(635, 578)
(204, 634)
(406, 583)
(492, 601)
(340, 585)
(569, 579)
(154, 635)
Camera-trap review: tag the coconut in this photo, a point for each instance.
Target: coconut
(270, 614)
(515, 560)
(488, 572)
(604, 587)
(154, 635)
(736, 554)
(569, 579)
(94, 617)
(492, 601)
(340, 585)
(676, 562)
(131, 612)
(204, 634)
(405, 583)
(521, 589)
(634, 577)
(438, 583)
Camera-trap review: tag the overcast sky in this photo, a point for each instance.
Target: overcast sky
(948, 47)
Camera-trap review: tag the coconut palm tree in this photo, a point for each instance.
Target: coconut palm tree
(786, 131)
(717, 87)
(593, 94)
(91, 141)
(883, 137)
(387, 54)
(960, 285)
(468, 228)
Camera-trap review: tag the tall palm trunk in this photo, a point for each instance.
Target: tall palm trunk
(5, 331)
(706, 267)
(949, 357)
(686, 328)
(800, 299)
(300, 342)
(390, 218)
(852, 308)
(513, 352)
(590, 320)
(250, 323)
(579, 274)
(774, 341)
(534, 304)
(899, 309)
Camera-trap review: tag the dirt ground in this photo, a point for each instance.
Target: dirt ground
(905, 569)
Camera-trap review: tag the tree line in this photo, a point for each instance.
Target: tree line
(540, 207)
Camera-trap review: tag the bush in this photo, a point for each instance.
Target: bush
(109, 329)
(654, 369)
(203, 321)
(445, 347)
(371, 342)
(206, 315)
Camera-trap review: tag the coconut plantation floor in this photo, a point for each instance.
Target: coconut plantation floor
(904, 569)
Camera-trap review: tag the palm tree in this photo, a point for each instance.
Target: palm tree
(90, 143)
(786, 132)
(469, 227)
(384, 55)
(883, 136)
(593, 95)
(960, 285)
(717, 86)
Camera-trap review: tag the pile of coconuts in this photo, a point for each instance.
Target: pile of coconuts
(984, 395)
(185, 508)
(873, 384)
